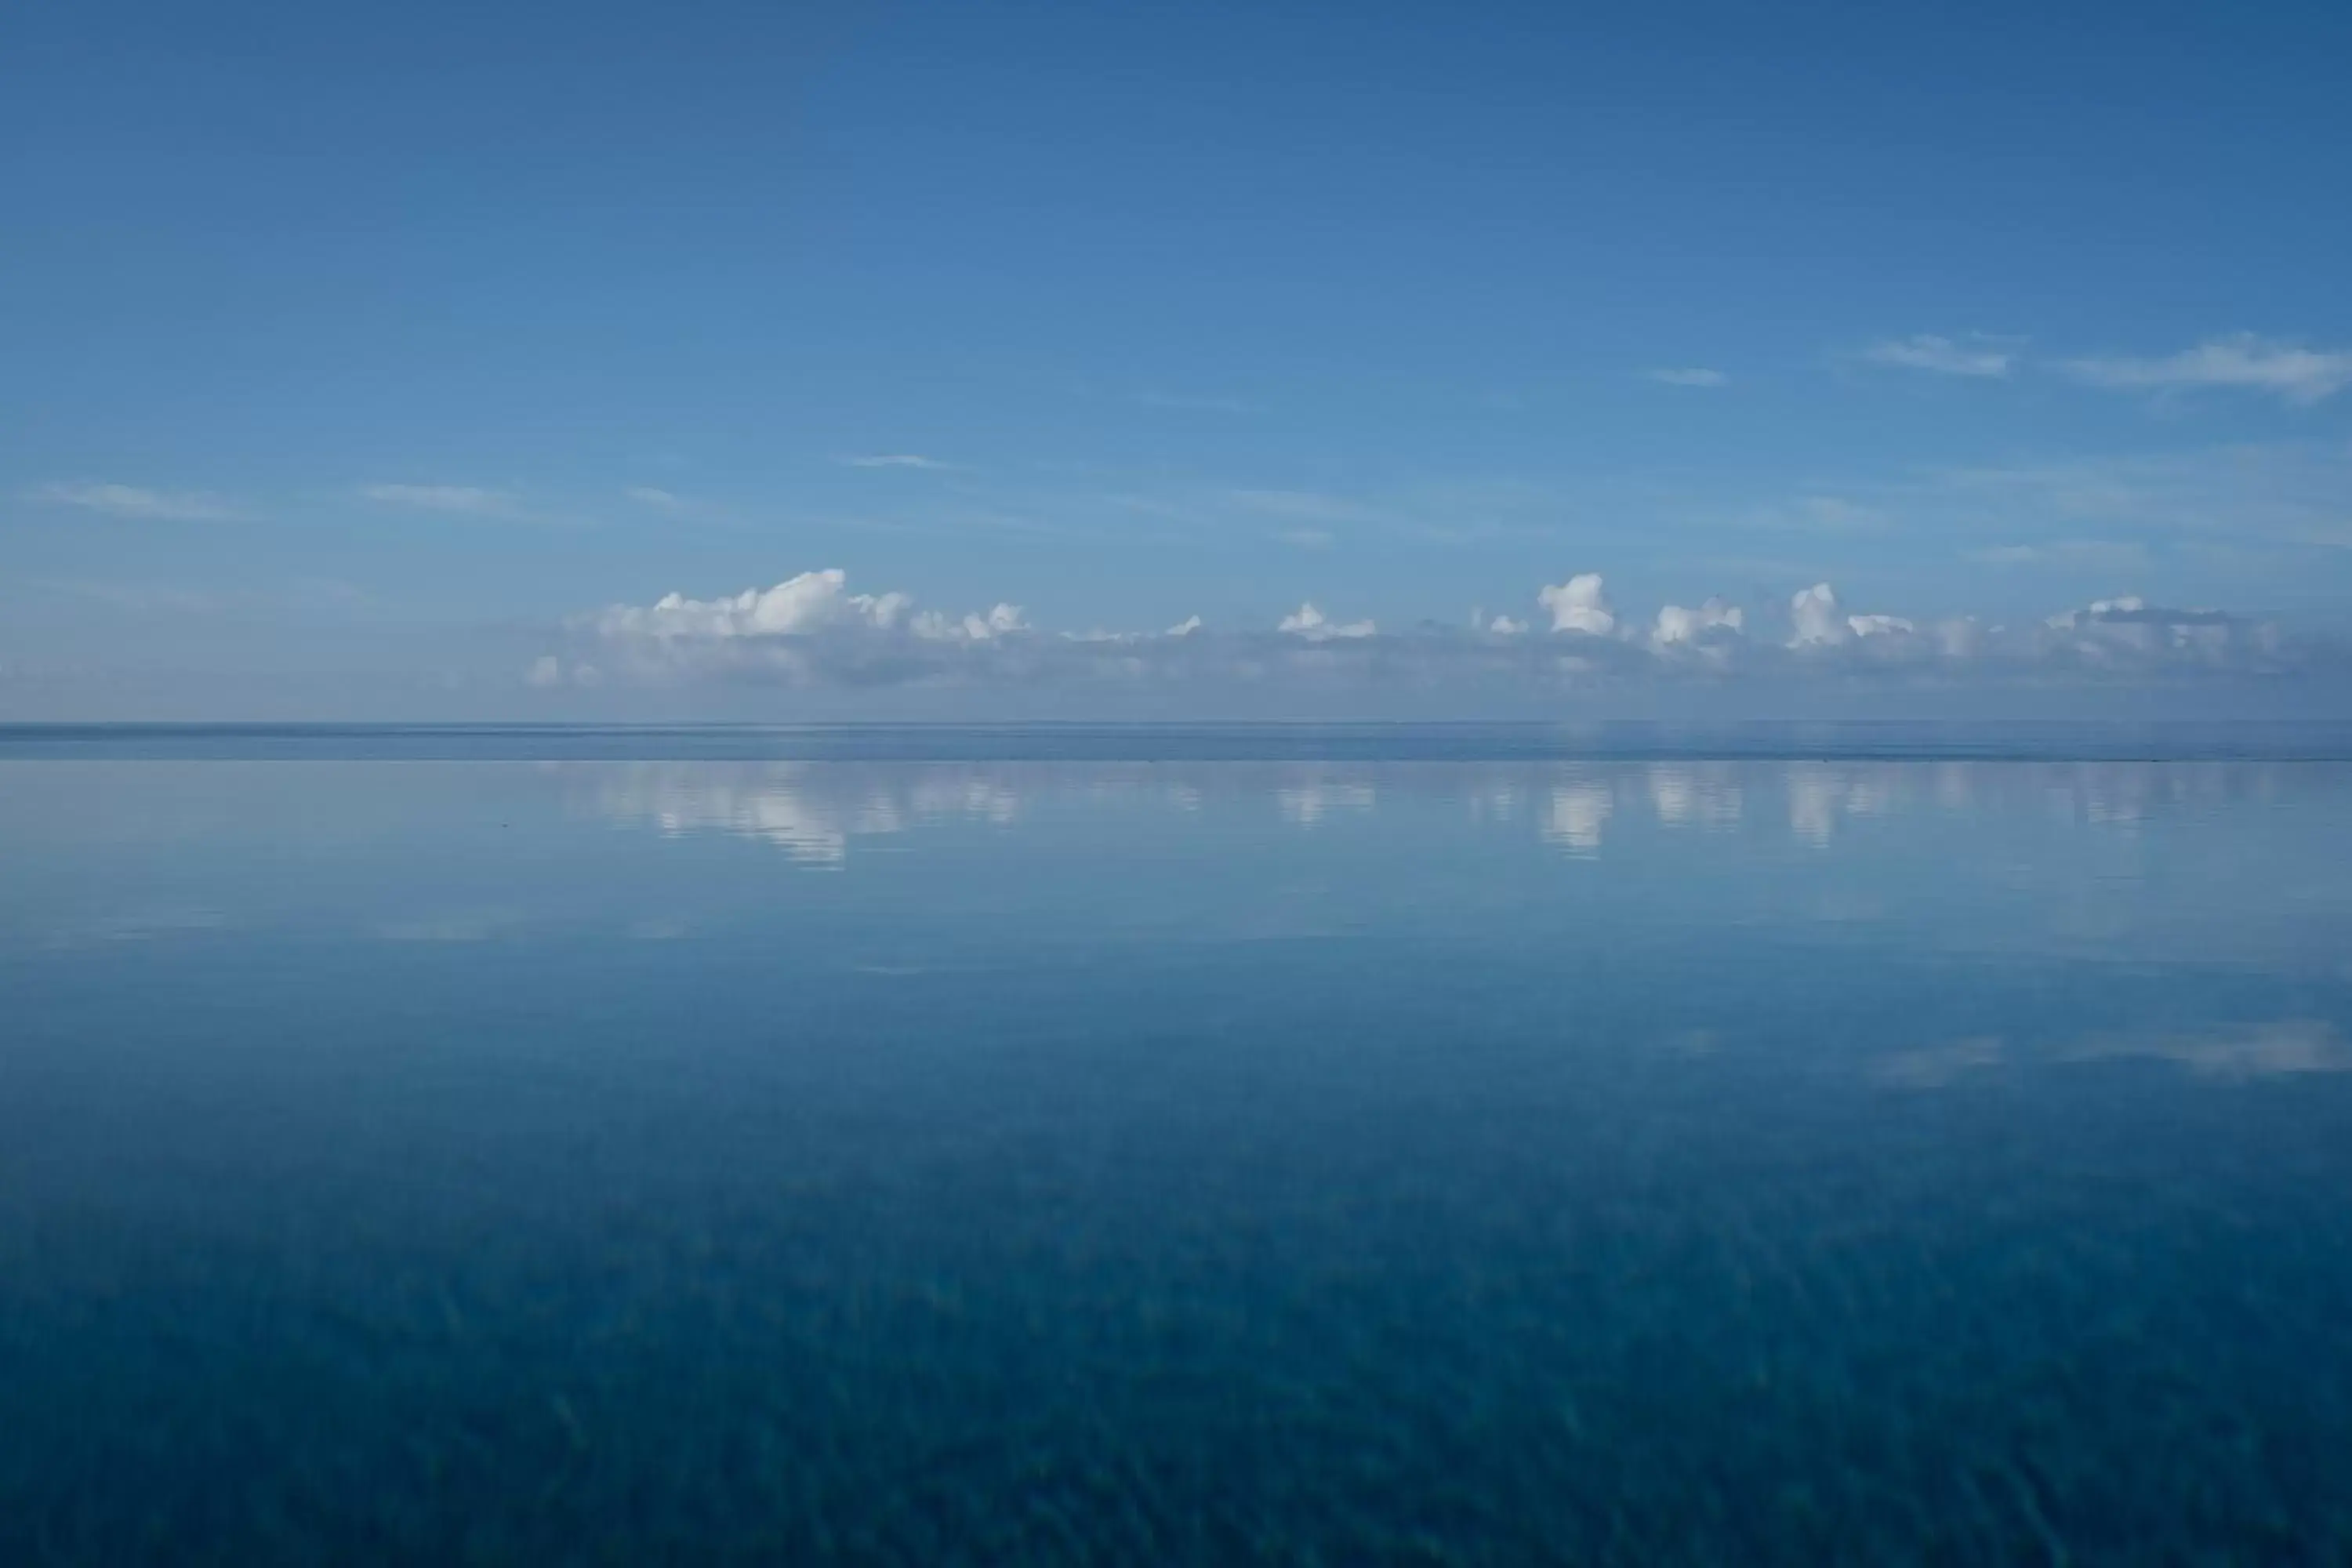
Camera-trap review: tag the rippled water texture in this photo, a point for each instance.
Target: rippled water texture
(1434, 1152)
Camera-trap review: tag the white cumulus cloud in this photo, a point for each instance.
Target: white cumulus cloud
(798, 607)
(1312, 624)
(812, 630)
(1578, 604)
(1815, 621)
(1678, 625)
(1004, 621)
(1878, 626)
(2131, 632)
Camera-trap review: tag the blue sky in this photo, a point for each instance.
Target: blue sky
(358, 360)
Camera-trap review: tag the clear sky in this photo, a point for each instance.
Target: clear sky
(361, 359)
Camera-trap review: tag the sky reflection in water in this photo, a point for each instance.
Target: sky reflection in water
(1192, 1161)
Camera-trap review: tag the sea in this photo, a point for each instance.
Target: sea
(1217, 1144)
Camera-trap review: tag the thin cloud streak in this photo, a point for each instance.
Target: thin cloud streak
(460, 500)
(2241, 361)
(1942, 356)
(1300, 506)
(135, 502)
(1188, 403)
(895, 460)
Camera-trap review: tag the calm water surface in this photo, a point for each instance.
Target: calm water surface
(1431, 1153)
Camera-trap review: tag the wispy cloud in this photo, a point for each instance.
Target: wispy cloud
(667, 503)
(1979, 356)
(144, 598)
(1835, 515)
(135, 502)
(2097, 555)
(2283, 493)
(297, 598)
(1694, 377)
(1302, 506)
(464, 500)
(2245, 498)
(1154, 506)
(1821, 514)
(894, 460)
(1194, 402)
(2243, 361)
(547, 671)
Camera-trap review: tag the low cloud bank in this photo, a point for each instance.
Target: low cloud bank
(812, 631)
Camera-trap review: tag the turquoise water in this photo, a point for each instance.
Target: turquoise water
(1219, 1146)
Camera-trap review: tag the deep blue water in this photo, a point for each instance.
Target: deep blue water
(1214, 1146)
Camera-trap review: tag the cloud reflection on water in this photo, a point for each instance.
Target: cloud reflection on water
(1308, 804)
(809, 811)
(815, 812)
(1575, 815)
(2286, 1047)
